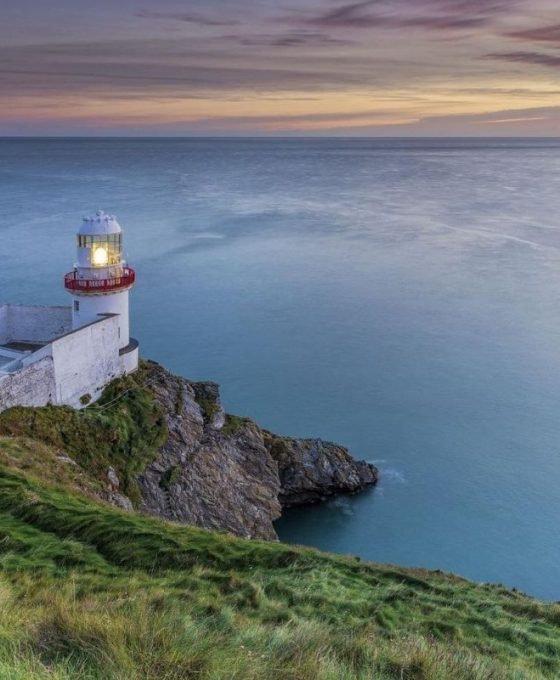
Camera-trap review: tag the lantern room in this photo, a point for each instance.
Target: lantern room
(99, 242)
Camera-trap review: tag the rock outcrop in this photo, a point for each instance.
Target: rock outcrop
(310, 470)
(224, 472)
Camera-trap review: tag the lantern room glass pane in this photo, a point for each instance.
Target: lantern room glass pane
(110, 243)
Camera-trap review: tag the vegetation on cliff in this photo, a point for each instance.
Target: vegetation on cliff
(91, 592)
(123, 430)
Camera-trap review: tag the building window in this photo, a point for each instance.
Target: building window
(76, 306)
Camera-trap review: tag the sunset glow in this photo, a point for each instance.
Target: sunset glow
(248, 67)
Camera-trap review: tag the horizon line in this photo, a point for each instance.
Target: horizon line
(281, 137)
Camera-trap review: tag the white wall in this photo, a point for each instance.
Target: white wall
(85, 360)
(4, 326)
(33, 385)
(77, 363)
(129, 361)
(91, 306)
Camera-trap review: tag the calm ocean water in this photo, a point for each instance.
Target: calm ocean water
(400, 297)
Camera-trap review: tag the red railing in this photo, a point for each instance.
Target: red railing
(74, 284)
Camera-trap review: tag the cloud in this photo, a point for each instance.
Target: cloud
(182, 68)
(537, 58)
(194, 74)
(186, 17)
(204, 77)
(509, 122)
(356, 14)
(427, 14)
(289, 121)
(288, 39)
(543, 34)
(518, 119)
(230, 58)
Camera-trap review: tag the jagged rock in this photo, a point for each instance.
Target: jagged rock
(119, 501)
(113, 479)
(224, 472)
(310, 470)
(202, 477)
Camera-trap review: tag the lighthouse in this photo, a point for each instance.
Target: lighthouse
(101, 280)
(69, 354)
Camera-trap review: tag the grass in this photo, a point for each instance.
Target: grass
(123, 429)
(234, 424)
(208, 407)
(88, 592)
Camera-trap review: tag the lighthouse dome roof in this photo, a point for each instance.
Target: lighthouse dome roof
(100, 224)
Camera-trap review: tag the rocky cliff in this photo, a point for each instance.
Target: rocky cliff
(225, 472)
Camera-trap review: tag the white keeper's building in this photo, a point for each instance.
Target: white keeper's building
(66, 355)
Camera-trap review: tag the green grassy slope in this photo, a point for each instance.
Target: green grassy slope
(87, 591)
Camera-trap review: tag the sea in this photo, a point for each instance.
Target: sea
(399, 296)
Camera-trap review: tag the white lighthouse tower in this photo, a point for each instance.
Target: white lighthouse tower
(101, 281)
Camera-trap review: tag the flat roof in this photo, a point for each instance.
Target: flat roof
(4, 359)
(12, 353)
(23, 346)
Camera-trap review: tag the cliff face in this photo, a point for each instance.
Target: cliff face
(224, 472)
(202, 476)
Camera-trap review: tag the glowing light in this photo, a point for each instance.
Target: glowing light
(100, 256)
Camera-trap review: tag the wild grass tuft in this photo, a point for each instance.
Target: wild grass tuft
(234, 424)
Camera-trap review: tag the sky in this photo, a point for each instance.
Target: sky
(258, 67)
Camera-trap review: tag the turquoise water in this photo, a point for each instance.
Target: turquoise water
(401, 297)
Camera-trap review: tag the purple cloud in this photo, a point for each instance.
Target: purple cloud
(354, 14)
(428, 14)
(543, 34)
(537, 58)
(289, 39)
(186, 17)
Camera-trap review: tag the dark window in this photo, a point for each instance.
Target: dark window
(76, 305)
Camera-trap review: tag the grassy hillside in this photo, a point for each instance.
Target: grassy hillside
(90, 592)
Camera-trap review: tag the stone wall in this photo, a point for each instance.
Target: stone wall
(33, 385)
